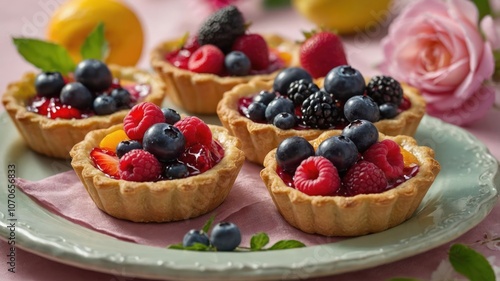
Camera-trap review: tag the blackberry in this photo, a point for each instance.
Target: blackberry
(299, 90)
(222, 28)
(385, 89)
(320, 111)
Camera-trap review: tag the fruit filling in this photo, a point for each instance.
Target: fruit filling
(355, 162)
(223, 47)
(296, 102)
(91, 90)
(156, 144)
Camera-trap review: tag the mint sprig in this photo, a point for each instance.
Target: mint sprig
(95, 45)
(52, 57)
(44, 55)
(257, 242)
(470, 263)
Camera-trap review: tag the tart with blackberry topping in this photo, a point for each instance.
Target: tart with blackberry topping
(262, 114)
(157, 167)
(222, 54)
(349, 183)
(53, 112)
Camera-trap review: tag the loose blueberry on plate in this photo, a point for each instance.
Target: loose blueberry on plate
(225, 236)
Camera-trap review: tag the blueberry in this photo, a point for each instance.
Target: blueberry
(225, 236)
(344, 82)
(287, 76)
(285, 121)
(126, 146)
(49, 84)
(363, 133)
(292, 151)
(341, 151)
(176, 170)
(76, 95)
(264, 97)
(94, 74)
(361, 107)
(195, 236)
(237, 63)
(164, 141)
(257, 112)
(122, 97)
(278, 106)
(388, 110)
(171, 116)
(104, 105)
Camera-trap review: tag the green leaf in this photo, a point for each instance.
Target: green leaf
(402, 279)
(198, 247)
(208, 224)
(177, 246)
(275, 4)
(470, 263)
(483, 7)
(287, 244)
(45, 55)
(95, 45)
(258, 241)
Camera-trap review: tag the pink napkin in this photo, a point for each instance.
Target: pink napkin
(248, 205)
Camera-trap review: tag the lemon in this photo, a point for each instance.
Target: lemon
(75, 19)
(344, 16)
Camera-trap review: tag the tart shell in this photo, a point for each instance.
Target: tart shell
(56, 137)
(258, 138)
(357, 215)
(161, 201)
(199, 93)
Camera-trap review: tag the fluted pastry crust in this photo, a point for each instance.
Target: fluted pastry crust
(200, 92)
(161, 201)
(56, 137)
(356, 215)
(258, 139)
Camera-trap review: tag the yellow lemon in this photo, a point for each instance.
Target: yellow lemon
(344, 16)
(75, 19)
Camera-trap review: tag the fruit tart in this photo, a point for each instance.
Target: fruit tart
(157, 167)
(53, 112)
(199, 69)
(349, 184)
(262, 114)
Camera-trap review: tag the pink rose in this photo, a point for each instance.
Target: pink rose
(436, 46)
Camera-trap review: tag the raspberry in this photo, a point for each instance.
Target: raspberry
(194, 131)
(207, 59)
(255, 48)
(139, 165)
(140, 118)
(197, 158)
(364, 178)
(316, 175)
(384, 89)
(387, 156)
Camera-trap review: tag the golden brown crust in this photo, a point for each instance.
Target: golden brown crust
(357, 215)
(56, 137)
(162, 201)
(258, 139)
(200, 92)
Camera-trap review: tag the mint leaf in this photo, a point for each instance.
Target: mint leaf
(483, 7)
(470, 263)
(287, 244)
(198, 247)
(208, 224)
(403, 279)
(258, 241)
(45, 55)
(177, 246)
(95, 45)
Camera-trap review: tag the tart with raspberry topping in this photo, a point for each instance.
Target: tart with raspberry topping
(53, 113)
(262, 114)
(222, 54)
(349, 183)
(157, 167)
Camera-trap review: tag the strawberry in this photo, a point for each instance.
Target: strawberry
(106, 161)
(321, 52)
(197, 158)
(255, 48)
(207, 59)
